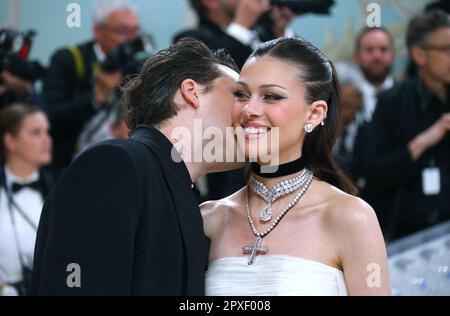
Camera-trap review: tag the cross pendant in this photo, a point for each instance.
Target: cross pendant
(255, 250)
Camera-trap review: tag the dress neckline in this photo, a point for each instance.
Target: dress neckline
(310, 261)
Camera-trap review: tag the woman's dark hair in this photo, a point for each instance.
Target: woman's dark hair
(11, 119)
(148, 98)
(318, 76)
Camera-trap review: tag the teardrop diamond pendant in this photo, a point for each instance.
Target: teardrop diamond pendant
(266, 214)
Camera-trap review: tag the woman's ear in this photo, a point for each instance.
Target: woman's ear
(316, 113)
(190, 91)
(9, 143)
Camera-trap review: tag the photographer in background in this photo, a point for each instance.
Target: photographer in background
(231, 24)
(79, 94)
(14, 89)
(25, 148)
(17, 74)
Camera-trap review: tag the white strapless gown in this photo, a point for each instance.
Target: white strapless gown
(273, 275)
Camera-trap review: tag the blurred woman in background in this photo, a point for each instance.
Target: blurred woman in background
(25, 149)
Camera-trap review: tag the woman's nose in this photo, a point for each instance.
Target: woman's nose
(254, 108)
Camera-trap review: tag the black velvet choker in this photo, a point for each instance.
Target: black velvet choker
(281, 170)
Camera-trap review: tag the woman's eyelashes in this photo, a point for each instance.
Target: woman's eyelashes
(267, 97)
(241, 96)
(273, 97)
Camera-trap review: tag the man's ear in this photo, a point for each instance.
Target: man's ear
(316, 113)
(356, 58)
(418, 55)
(190, 91)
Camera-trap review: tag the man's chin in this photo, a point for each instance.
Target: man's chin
(377, 76)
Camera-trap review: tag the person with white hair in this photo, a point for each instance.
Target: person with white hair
(81, 96)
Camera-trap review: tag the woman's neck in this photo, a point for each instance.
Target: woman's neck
(21, 169)
(276, 173)
(271, 182)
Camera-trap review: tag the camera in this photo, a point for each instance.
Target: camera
(129, 56)
(264, 27)
(15, 48)
(306, 6)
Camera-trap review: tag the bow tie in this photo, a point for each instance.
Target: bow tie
(16, 187)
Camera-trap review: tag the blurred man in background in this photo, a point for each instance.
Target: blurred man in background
(351, 103)
(230, 24)
(408, 156)
(374, 57)
(80, 95)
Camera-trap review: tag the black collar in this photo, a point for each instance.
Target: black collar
(428, 98)
(281, 170)
(46, 180)
(162, 147)
(207, 23)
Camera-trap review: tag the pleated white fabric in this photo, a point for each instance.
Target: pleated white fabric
(273, 275)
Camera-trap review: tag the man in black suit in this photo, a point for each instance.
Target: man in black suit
(124, 215)
(76, 90)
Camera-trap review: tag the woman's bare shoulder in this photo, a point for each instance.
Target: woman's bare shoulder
(215, 212)
(344, 210)
(210, 208)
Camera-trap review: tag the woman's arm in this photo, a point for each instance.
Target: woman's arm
(361, 248)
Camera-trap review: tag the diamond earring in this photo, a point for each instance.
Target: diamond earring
(324, 118)
(309, 128)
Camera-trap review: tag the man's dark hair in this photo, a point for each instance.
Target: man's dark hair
(148, 98)
(439, 5)
(367, 30)
(198, 7)
(423, 25)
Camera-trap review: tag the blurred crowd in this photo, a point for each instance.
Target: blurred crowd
(394, 138)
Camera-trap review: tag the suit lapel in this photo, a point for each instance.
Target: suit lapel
(179, 182)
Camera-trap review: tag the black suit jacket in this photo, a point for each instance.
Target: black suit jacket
(215, 38)
(126, 214)
(68, 99)
(391, 173)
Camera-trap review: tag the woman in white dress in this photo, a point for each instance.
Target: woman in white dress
(299, 230)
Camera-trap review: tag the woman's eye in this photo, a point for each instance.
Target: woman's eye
(272, 97)
(241, 95)
(35, 132)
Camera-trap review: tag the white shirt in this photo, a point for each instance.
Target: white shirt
(370, 99)
(96, 129)
(31, 202)
(248, 37)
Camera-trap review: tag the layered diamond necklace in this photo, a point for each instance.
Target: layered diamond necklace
(279, 190)
(299, 183)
